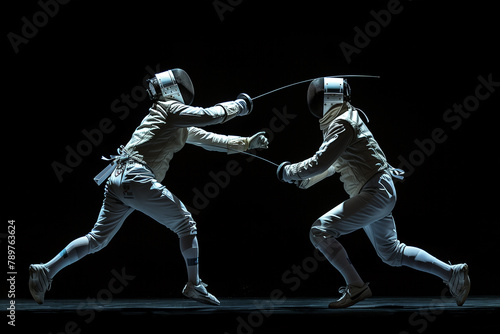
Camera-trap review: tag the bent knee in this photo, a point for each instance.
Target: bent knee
(392, 253)
(96, 243)
(319, 232)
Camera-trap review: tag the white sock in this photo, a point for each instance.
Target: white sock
(336, 254)
(419, 259)
(75, 250)
(190, 252)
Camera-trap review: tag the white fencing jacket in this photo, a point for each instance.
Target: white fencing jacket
(170, 124)
(348, 148)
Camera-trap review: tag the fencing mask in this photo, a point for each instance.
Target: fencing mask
(324, 93)
(172, 84)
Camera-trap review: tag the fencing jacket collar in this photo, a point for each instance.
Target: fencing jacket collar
(333, 113)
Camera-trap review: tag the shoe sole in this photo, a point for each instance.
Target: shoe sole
(207, 301)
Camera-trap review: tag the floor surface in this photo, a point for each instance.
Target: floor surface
(247, 316)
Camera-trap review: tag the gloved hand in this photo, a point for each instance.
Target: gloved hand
(280, 173)
(249, 103)
(258, 140)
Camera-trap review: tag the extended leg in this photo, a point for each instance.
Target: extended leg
(75, 250)
(383, 236)
(111, 217)
(41, 274)
(419, 259)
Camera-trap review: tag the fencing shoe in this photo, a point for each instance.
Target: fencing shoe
(199, 293)
(351, 295)
(39, 282)
(459, 283)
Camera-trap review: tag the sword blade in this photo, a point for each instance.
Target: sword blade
(309, 80)
(256, 156)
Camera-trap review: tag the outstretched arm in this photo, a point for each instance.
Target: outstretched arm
(180, 115)
(224, 143)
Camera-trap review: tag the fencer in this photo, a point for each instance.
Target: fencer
(350, 149)
(134, 176)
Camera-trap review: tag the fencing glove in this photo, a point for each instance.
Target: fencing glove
(258, 140)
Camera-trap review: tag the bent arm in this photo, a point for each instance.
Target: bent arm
(339, 135)
(308, 183)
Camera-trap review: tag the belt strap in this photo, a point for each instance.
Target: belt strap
(123, 155)
(397, 173)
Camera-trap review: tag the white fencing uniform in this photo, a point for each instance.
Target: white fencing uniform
(135, 183)
(350, 149)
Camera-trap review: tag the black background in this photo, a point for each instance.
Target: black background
(66, 78)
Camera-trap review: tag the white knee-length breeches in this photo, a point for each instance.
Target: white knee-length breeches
(134, 187)
(371, 210)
